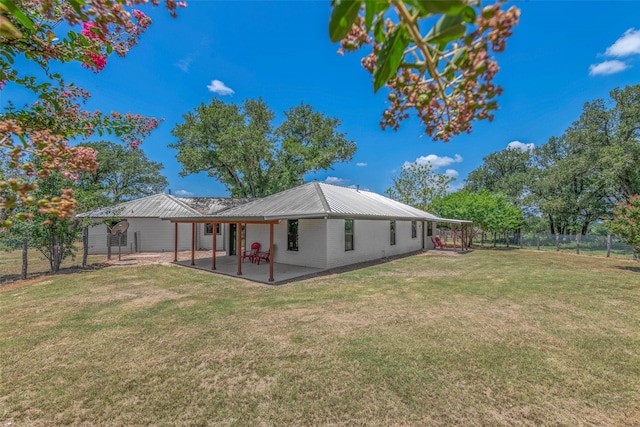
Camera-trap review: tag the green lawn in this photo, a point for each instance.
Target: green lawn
(489, 338)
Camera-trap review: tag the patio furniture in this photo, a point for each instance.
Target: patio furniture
(437, 243)
(251, 253)
(266, 256)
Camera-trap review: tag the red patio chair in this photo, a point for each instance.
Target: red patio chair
(251, 253)
(437, 243)
(263, 256)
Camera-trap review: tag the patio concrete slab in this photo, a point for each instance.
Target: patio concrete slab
(228, 265)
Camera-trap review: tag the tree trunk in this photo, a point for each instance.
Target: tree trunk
(25, 258)
(608, 245)
(551, 227)
(538, 242)
(578, 243)
(557, 242)
(506, 238)
(56, 258)
(109, 244)
(85, 246)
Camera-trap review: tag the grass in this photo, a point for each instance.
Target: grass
(488, 338)
(37, 264)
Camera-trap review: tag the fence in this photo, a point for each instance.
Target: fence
(588, 244)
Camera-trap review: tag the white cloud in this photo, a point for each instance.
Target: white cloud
(628, 44)
(522, 146)
(184, 64)
(436, 161)
(361, 164)
(607, 67)
(219, 87)
(452, 173)
(184, 193)
(335, 180)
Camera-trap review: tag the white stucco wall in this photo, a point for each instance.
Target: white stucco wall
(154, 235)
(311, 242)
(205, 241)
(371, 241)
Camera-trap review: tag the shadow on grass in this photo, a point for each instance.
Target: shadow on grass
(634, 269)
(10, 279)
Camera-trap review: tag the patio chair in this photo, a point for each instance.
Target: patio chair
(251, 253)
(437, 243)
(266, 256)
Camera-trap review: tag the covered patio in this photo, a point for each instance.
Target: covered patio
(228, 266)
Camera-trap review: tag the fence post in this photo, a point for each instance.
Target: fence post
(538, 241)
(557, 242)
(25, 258)
(578, 243)
(608, 245)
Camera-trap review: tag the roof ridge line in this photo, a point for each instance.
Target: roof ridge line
(181, 203)
(323, 199)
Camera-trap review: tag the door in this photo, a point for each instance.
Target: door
(233, 235)
(232, 239)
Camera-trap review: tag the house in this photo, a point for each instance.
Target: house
(321, 226)
(149, 232)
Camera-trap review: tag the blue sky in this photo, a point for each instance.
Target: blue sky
(562, 54)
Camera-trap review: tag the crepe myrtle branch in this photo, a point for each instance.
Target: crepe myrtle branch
(445, 75)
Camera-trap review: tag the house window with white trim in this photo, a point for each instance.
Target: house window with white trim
(348, 235)
(392, 233)
(208, 229)
(414, 229)
(292, 235)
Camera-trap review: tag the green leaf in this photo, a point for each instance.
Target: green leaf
(447, 28)
(390, 57)
(373, 8)
(469, 14)
(378, 31)
(19, 14)
(342, 18)
(448, 7)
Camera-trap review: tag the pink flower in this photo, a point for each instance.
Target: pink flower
(3, 83)
(87, 28)
(139, 14)
(97, 62)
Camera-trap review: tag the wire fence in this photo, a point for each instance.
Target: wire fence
(580, 244)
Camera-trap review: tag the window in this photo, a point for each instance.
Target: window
(208, 229)
(392, 232)
(414, 229)
(292, 235)
(429, 229)
(348, 235)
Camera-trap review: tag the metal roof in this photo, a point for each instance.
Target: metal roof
(321, 200)
(167, 206)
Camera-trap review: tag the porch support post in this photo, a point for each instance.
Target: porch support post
(239, 249)
(193, 243)
(213, 257)
(271, 252)
(175, 244)
(454, 237)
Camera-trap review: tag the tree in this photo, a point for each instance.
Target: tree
(32, 31)
(123, 174)
(434, 56)
(238, 145)
(626, 222)
(504, 172)
(418, 185)
(488, 211)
